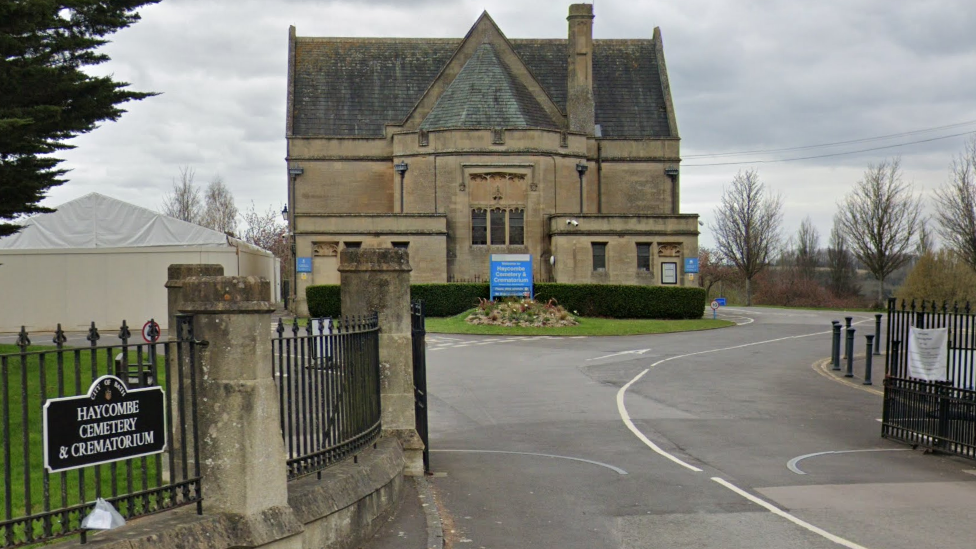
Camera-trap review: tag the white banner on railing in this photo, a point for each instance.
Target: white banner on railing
(928, 353)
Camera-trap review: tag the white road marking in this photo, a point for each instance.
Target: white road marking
(625, 416)
(618, 470)
(634, 352)
(781, 513)
(792, 464)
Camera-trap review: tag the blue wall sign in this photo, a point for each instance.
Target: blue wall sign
(303, 265)
(691, 264)
(511, 275)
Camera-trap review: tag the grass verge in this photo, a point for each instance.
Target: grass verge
(586, 327)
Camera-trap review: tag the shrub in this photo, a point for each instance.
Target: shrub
(619, 301)
(448, 299)
(602, 300)
(323, 300)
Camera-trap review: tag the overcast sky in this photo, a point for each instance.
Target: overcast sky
(745, 76)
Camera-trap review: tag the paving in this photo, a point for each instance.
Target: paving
(676, 440)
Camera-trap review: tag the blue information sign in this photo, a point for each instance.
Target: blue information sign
(303, 265)
(511, 275)
(720, 301)
(691, 264)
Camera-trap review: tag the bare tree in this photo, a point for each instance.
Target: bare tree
(184, 202)
(880, 218)
(747, 226)
(219, 212)
(711, 271)
(807, 251)
(956, 212)
(266, 230)
(842, 272)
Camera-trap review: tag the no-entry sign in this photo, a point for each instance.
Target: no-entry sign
(110, 423)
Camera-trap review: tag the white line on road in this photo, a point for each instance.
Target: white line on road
(791, 464)
(779, 512)
(625, 416)
(634, 352)
(618, 470)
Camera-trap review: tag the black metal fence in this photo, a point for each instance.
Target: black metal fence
(328, 376)
(418, 336)
(38, 505)
(935, 414)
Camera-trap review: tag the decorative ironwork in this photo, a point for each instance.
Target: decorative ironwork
(933, 414)
(45, 506)
(329, 390)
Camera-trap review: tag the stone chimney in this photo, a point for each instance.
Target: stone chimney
(579, 96)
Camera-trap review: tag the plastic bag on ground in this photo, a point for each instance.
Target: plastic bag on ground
(103, 517)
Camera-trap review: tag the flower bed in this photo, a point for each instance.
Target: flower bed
(521, 312)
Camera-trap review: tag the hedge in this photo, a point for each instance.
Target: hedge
(601, 300)
(620, 301)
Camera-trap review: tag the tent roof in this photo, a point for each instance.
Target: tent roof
(98, 221)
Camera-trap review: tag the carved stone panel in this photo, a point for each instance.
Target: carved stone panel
(498, 188)
(325, 249)
(669, 250)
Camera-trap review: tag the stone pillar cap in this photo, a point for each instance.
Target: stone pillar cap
(374, 259)
(226, 294)
(179, 272)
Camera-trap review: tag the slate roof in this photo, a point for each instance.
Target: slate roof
(485, 94)
(352, 87)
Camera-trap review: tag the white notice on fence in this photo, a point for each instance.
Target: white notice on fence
(927, 353)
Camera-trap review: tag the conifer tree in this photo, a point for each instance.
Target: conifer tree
(46, 97)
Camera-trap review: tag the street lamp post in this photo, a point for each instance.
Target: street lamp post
(293, 173)
(401, 168)
(581, 170)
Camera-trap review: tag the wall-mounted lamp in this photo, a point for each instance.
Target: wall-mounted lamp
(672, 172)
(296, 171)
(581, 170)
(284, 213)
(401, 168)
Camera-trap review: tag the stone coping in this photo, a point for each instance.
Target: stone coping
(347, 506)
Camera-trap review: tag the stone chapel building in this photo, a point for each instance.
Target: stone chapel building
(456, 149)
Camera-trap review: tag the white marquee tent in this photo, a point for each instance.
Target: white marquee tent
(103, 260)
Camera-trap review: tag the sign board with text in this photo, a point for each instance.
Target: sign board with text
(691, 264)
(511, 275)
(303, 265)
(928, 353)
(110, 423)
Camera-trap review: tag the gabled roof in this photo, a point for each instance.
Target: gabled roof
(353, 87)
(98, 221)
(485, 94)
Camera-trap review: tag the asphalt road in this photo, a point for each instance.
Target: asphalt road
(678, 440)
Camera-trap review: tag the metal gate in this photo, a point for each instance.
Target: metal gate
(935, 414)
(420, 376)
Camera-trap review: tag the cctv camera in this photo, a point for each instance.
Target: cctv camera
(701, 223)
(572, 222)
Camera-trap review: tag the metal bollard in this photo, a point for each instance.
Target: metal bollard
(847, 331)
(867, 360)
(850, 353)
(835, 348)
(892, 370)
(877, 334)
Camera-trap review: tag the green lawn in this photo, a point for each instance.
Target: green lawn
(586, 327)
(25, 380)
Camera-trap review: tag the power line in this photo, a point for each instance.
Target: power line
(836, 143)
(830, 154)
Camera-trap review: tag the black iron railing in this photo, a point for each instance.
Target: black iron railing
(328, 376)
(418, 333)
(933, 414)
(38, 505)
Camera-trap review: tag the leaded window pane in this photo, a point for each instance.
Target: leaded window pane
(599, 256)
(516, 227)
(643, 257)
(498, 227)
(479, 227)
